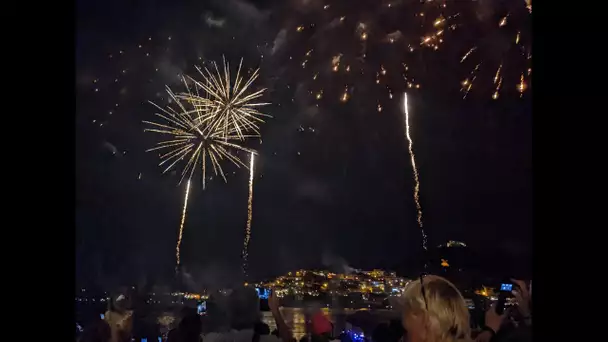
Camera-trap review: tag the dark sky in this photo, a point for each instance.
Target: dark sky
(334, 183)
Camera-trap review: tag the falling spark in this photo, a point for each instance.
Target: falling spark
(468, 82)
(466, 55)
(503, 21)
(245, 252)
(344, 96)
(517, 37)
(415, 171)
(335, 62)
(498, 82)
(181, 227)
(521, 86)
(495, 95)
(496, 77)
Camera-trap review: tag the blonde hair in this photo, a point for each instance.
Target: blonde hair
(445, 308)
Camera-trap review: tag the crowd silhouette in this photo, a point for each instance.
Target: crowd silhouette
(432, 310)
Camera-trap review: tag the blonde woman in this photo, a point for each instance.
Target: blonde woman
(119, 319)
(435, 311)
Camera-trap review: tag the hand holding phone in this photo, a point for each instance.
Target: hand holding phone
(493, 319)
(505, 290)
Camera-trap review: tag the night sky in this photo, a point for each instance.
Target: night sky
(332, 182)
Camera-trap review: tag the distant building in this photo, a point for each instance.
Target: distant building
(318, 282)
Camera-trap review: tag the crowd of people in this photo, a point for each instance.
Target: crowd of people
(432, 310)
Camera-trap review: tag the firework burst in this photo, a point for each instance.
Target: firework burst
(228, 106)
(192, 137)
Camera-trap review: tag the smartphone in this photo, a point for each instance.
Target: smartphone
(201, 309)
(262, 293)
(505, 291)
(102, 316)
(144, 340)
(355, 336)
(508, 287)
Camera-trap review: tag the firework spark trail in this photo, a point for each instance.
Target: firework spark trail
(181, 226)
(245, 252)
(415, 171)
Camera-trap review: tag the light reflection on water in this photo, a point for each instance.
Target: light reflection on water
(296, 319)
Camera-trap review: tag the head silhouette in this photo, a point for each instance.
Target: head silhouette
(434, 311)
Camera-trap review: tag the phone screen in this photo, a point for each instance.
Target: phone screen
(102, 316)
(262, 293)
(355, 336)
(202, 308)
(506, 287)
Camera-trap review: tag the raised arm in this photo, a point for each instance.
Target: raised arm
(284, 331)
